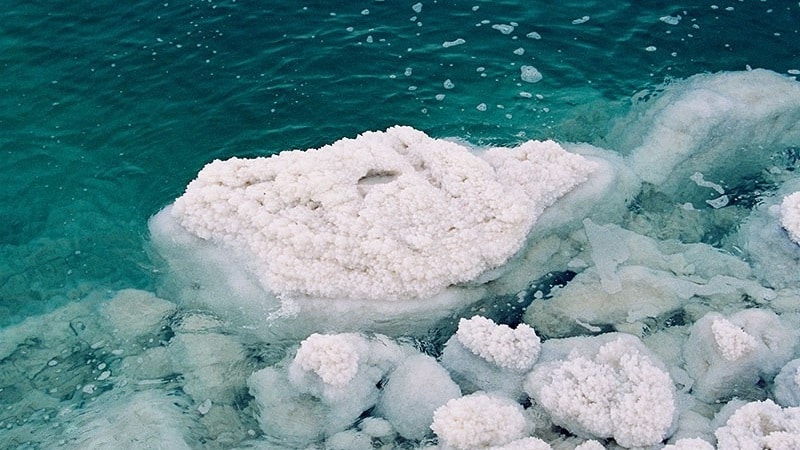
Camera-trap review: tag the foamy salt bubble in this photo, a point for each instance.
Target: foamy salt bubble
(530, 74)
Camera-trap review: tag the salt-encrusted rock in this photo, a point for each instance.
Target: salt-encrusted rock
(727, 356)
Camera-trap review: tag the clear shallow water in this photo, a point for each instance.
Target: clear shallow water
(111, 108)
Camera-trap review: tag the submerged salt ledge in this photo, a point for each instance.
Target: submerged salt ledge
(632, 335)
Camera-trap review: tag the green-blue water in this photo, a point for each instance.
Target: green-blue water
(109, 108)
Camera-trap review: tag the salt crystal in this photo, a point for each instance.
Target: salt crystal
(793, 71)
(417, 7)
(534, 35)
(89, 389)
(650, 48)
(583, 19)
(364, 12)
(104, 375)
(519, 51)
(481, 107)
(408, 71)
(448, 84)
(52, 363)
(530, 74)
(439, 97)
(524, 94)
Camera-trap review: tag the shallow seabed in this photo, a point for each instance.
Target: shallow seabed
(112, 108)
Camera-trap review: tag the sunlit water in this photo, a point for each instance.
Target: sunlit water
(109, 108)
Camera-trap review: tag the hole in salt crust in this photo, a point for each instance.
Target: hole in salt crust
(373, 177)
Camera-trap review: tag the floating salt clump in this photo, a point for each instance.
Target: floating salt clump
(503, 28)
(417, 7)
(671, 20)
(581, 20)
(453, 43)
(533, 35)
(530, 74)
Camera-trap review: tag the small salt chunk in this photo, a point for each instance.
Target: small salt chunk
(458, 41)
(448, 84)
(519, 51)
(408, 71)
(104, 375)
(52, 362)
(650, 48)
(719, 202)
(481, 107)
(503, 28)
(671, 20)
(530, 74)
(439, 97)
(364, 12)
(204, 407)
(524, 94)
(793, 71)
(89, 389)
(534, 35)
(417, 7)
(583, 19)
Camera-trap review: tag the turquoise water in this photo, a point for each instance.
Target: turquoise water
(109, 109)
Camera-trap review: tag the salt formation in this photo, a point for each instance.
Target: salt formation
(761, 425)
(727, 356)
(479, 420)
(603, 387)
(381, 225)
(790, 216)
(485, 356)
(787, 384)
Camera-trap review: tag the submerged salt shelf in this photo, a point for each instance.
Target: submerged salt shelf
(399, 291)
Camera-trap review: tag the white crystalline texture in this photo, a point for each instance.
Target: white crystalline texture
(478, 421)
(790, 216)
(388, 215)
(758, 425)
(514, 349)
(617, 393)
(733, 342)
(333, 357)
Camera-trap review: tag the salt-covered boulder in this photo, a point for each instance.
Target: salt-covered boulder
(786, 386)
(416, 388)
(329, 382)
(726, 356)
(609, 386)
(726, 127)
(485, 356)
(379, 226)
